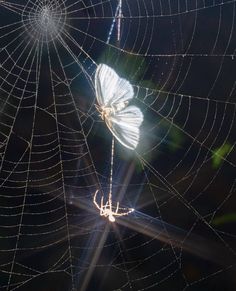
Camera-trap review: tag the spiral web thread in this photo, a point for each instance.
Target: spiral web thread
(54, 149)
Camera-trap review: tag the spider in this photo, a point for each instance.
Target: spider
(108, 210)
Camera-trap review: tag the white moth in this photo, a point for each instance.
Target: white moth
(113, 95)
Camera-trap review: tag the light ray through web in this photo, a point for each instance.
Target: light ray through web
(55, 150)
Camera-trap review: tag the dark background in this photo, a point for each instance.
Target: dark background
(55, 151)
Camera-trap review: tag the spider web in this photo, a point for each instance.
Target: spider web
(179, 55)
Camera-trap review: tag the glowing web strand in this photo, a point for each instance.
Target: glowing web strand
(111, 173)
(117, 18)
(107, 209)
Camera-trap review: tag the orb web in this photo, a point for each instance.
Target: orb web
(179, 57)
(44, 20)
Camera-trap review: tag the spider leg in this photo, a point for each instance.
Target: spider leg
(102, 207)
(117, 207)
(108, 210)
(95, 200)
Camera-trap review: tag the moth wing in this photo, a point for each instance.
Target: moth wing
(125, 124)
(111, 90)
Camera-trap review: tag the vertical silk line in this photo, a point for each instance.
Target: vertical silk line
(119, 20)
(111, 173)
(107, 209)
(118, 14)
(117, 17)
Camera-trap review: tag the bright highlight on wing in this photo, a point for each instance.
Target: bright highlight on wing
(113, 94)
